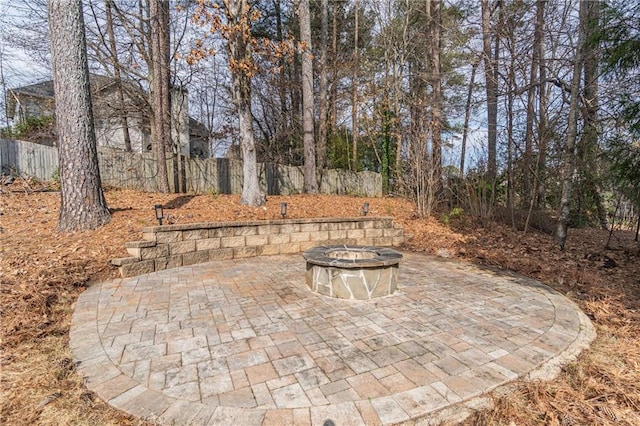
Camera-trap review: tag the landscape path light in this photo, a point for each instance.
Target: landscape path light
(159, 213)
(283, 210)
(365, 209)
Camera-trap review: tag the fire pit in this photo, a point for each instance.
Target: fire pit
(352, 272)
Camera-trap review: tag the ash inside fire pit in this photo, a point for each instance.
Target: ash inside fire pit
(352, 272)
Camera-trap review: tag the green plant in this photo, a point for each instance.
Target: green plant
(55, 176)
(455, 214)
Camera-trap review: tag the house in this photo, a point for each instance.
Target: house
(113, 114)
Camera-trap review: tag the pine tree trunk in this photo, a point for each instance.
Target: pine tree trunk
(83, 205)
(159, 15)
(310, 180)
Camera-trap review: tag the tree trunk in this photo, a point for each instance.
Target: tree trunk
(322, 95)
(434, 23)
(123, 111)
(528, 138)
(467, 116)
(589, 150)
(240, 55)
(333, 116)
(540, 175)
(83, 205)
(491, 74)
(569, 155)
(310, 180)
(354, 92)
(159, 17)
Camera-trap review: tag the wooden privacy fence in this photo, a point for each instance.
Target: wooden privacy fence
(211, 175)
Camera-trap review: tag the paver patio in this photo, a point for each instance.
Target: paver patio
(246, 342)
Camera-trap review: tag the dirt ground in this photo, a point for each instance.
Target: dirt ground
(43, 272)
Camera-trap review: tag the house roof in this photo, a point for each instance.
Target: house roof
(44, 90)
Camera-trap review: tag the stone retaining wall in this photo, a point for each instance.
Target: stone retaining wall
(171, 246)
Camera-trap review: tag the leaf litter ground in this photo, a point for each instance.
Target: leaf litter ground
(43, 272)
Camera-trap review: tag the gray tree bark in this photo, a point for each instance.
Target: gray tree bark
(240, 53)
(354, 91)
(491, 78)
(569, 154)
(117, 74)
(434, 28)
(83, 205)
(310, 180)
(323, 106)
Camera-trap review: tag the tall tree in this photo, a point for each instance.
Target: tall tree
(434, 47)
(83, 205)
(589, 192)
(238, 14)
(491, 84)
(160, 54)
(113, 50)
(322, 86)
(354, 89)
(569, 149)
(310, 180)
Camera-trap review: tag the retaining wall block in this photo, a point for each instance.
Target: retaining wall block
(195, 234)
(207, 244)
(168, 262)
(268, 229)
(319, 235)
(138, 268)
(220, 232)
(289, 228)
(309, 227)
(290, 248)
(279, 239)
(168, 236)
(355, 233)
(246, 251)
(256, 240)
(373, 232)
(226, 242)
(383, 241)
(245, 230)
(270, 249)
(220, 254)
(182, 247)
(160, 250)
(195, 257)
(297, 237)
(337, 235)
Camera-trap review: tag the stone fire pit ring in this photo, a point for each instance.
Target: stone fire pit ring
(352, 272)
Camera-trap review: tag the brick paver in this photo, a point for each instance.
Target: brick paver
(246, 342)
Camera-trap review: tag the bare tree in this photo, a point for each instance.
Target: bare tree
(323, 84)
(569, 149)
(491, 78)
(310, 180)
(238, 16)
(83, 205)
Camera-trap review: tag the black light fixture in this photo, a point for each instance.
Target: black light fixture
(283, 209)
(365, 209)
(159, 213)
